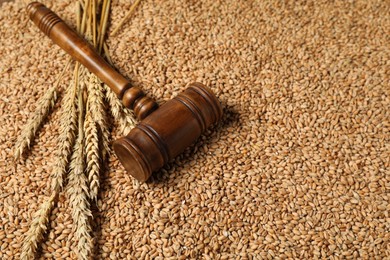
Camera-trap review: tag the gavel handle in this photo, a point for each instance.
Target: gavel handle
(61, 34)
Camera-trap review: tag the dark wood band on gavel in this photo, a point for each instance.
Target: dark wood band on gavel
(161, 135)
(80, 50)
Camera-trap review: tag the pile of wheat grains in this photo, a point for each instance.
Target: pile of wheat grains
(298, 167)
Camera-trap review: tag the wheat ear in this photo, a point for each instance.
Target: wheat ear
(37, 229)
(67, 135)
(78, 187)
(93, 118)
(77, 182)
(95, 124)
(92, 155)
(78, 198)
(45, 104)
(29, 130)
(98, 109)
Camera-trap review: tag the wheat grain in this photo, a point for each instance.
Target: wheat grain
(298, 168)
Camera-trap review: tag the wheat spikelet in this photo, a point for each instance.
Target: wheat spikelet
(127, 121)
(44, 106)
(37, 229)
(122, 115)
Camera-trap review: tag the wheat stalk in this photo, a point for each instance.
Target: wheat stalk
(103, 24)
(37, 228)
(83, 24)
(131, 11)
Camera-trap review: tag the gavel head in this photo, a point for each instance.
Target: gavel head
(166, 132)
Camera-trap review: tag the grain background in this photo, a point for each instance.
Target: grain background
(298, 167)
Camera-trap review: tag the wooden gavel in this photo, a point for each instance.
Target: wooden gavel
(163, 132)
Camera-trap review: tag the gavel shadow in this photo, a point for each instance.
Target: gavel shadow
(209, 137)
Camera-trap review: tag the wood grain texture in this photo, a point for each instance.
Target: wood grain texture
(165, 133)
